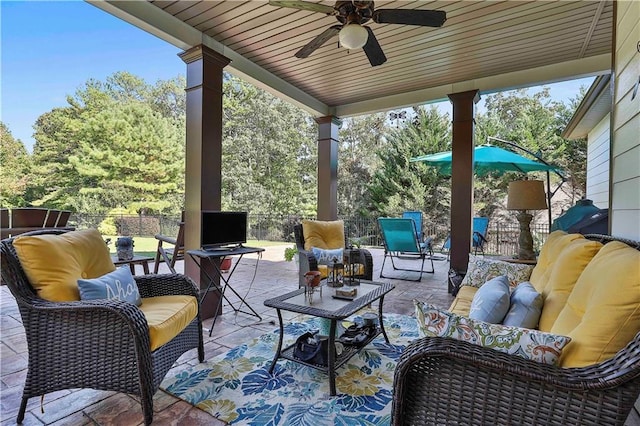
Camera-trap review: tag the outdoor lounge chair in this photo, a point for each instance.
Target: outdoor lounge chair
(416, 216)
(425, 242)
(52, 218)
(102, 343)
(401, 241)
(170, 255)
(63, 218)
(480, 229)
(28, 217)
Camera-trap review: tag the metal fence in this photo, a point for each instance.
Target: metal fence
(502, 238)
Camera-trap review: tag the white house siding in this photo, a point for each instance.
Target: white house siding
(598, 164)
(625, 149)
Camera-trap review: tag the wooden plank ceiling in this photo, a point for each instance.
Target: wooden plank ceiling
(480, 39)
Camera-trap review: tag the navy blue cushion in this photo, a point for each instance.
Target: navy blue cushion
(118, 284)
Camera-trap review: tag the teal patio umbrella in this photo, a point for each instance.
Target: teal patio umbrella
(492, 159)
(487, 159)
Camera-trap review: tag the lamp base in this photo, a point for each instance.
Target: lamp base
(525, 240)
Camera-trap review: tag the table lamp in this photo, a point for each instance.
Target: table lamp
(526, 195)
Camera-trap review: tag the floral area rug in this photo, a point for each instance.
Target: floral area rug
(236, 386)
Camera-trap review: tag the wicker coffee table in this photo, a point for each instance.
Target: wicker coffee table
(334, 310)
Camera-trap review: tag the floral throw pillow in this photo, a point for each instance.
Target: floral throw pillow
(526, 343)
(482, 269)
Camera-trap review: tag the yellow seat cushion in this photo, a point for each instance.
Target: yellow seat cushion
(54, 263)
(462, 303)
(602, 314)
(562, 277)
(167, 316)
(551, 249)
(323, 234)
(324, 270)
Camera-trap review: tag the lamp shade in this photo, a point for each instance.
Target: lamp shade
(353, 36)
(526, 195)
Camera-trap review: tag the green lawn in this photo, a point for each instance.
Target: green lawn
(146, 246)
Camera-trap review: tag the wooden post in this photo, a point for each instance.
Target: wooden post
(203, 174)
(462, 177)
(328, 167)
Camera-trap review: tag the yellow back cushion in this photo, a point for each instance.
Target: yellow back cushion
(562, 277)
(602, 313)
(551, 249)
(323, 234)
(53, 263)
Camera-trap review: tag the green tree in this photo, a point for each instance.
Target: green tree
(269, 153)
(360, 139)
(572, 154)
(15, 164)
(112, 147)
(533, 122)
(53, 181)
(402, 185)
(128, 156)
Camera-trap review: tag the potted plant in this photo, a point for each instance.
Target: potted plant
(225, 264)
(290, 253)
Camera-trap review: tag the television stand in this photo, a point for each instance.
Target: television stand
(212, 257)
(223, 248)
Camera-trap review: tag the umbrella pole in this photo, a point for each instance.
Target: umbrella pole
(550, 193)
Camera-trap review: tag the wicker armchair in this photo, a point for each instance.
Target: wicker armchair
(99, 344)
(308, 261)
(446, 381)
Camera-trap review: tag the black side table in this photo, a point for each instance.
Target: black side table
(213, 258)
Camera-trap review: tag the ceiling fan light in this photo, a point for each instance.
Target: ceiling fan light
(353, 36)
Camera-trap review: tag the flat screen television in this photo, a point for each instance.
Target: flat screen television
(223, 229)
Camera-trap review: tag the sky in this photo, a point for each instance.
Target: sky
(50, 49)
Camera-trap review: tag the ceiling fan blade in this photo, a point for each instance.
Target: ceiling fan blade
(304, 5)
(373, 50)
(321, 39)
(424, 18)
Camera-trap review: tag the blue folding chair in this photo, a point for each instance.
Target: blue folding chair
(416, 216)
(401, 241)
(480, 229)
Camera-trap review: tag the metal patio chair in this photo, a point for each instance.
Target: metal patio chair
(401, 241)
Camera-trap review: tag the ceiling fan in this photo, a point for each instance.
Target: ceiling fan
(351, 31)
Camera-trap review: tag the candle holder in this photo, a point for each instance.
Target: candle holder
(352, 264)
(336, 273)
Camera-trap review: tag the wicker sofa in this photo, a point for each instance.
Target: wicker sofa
(441, 380)
(100, 344)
